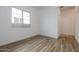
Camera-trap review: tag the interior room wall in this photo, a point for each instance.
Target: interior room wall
(59, 20)
(77, 24)
(9, 34)
(48, 19)
(67, 21)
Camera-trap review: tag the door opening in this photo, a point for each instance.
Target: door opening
(67, 20)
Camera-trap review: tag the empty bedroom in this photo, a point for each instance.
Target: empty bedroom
(39, 29)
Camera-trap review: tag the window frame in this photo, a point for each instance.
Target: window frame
(22, 24)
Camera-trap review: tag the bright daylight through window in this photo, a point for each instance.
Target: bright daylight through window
(20, 17)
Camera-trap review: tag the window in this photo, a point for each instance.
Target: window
(20, 17)
(26, 18)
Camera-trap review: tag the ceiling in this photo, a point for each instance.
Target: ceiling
(65, 7)
(39, 7)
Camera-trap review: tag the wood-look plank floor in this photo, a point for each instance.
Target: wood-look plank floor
(44, 44)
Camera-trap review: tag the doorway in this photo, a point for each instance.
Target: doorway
(67, 20)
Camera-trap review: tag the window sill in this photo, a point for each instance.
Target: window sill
(21, 25)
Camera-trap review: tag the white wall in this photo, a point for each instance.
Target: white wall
(9, 34)
(48, 19)
(77, 24)
(67, 21)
